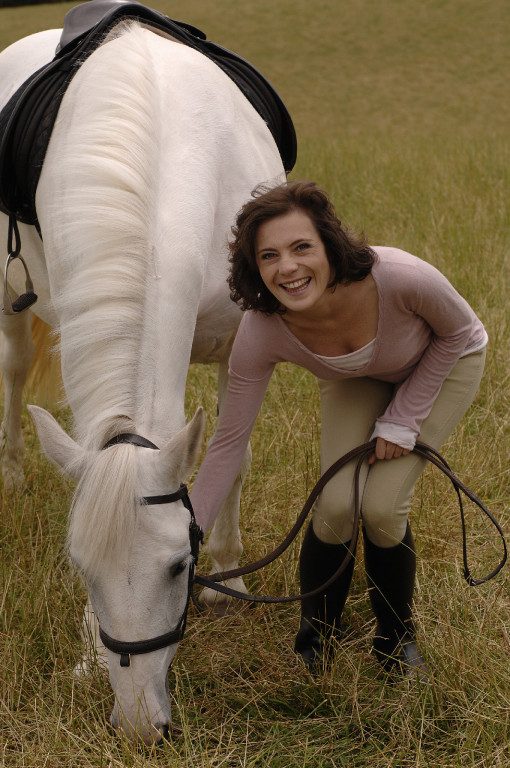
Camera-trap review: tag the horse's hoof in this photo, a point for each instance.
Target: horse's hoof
(87, 664)
(13, 479)
(219, 605)
(81, 670)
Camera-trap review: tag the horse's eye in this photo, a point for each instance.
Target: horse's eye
(177, 569)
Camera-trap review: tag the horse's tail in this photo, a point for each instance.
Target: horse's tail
(44, 383)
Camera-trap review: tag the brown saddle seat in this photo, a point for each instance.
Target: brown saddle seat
(27, 119)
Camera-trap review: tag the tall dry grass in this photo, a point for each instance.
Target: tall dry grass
(400, 114)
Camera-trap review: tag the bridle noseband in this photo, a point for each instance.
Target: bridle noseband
(126, 649)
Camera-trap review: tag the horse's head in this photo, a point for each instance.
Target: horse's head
(132, 536)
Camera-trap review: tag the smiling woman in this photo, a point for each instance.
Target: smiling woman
(398, 353)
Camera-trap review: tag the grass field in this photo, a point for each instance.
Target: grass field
(402, 113)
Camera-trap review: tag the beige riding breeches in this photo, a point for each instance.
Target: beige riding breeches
(349, 410)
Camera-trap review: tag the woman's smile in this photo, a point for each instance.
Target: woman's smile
(296, 286)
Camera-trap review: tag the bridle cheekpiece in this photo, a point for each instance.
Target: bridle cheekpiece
(124, 648)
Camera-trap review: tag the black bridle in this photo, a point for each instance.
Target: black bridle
(125, 648)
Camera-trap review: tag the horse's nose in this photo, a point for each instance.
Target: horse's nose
(164, 730)
(151, 733)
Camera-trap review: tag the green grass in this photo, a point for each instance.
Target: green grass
(402, 113)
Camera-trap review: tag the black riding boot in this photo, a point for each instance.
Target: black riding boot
(391, 573)
(320, 615)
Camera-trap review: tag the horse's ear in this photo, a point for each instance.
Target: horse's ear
(56, 443)
(183, 450)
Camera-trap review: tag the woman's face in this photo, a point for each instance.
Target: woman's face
(292, 261)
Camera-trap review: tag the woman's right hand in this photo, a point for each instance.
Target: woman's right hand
(386, 450)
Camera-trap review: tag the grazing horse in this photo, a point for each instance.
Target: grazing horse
(153, 152)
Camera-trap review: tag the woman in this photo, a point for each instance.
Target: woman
(398, 354)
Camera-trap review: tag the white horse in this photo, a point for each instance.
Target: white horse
(153, 152)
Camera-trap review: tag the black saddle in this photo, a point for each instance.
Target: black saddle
(27, 119)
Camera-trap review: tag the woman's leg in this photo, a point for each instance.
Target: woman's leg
(349, 409)
(389, 548)
(390, 484)
(320, 614)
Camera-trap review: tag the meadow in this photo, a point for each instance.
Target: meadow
(401, 110)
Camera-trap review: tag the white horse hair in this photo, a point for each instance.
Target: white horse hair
(104, 306)
(153, 153)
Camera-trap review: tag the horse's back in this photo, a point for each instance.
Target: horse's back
(23, 58)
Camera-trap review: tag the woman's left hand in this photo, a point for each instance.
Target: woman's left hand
(386, 450)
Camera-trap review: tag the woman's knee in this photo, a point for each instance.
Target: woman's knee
(387, 498)
(333, 522)
(385, 527)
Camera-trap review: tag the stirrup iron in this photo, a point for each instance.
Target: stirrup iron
(24, 300)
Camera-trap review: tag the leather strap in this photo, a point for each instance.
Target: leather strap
(362, 452)
(126, 649)
(131, 439)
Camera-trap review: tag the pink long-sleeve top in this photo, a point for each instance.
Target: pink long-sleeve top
(424, 327)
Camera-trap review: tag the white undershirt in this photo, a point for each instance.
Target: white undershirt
(354, 360)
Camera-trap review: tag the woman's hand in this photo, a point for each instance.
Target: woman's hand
(386, 450)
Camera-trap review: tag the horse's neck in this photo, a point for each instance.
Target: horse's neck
(135, 221)
(171, 304)
(125, 255)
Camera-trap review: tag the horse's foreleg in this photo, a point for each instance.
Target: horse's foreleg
(224, 543)
(16, 355)
(95, 652)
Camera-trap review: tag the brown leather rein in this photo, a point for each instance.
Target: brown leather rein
(360, 453)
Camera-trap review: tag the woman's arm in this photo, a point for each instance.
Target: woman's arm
(250, 368)
(431, 298)
(227, 448)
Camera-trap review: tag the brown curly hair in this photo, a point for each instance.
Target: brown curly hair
(349, 255)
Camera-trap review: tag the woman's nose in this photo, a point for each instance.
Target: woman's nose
(287, 265)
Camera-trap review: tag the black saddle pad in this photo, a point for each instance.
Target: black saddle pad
(27, 120)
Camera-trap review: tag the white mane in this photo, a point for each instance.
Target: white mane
(103, 513)
(106, 224)
(105, 232)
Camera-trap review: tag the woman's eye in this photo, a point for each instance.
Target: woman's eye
(302, 246)
(267, 256)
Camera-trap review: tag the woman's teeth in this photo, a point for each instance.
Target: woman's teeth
(296, 285)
